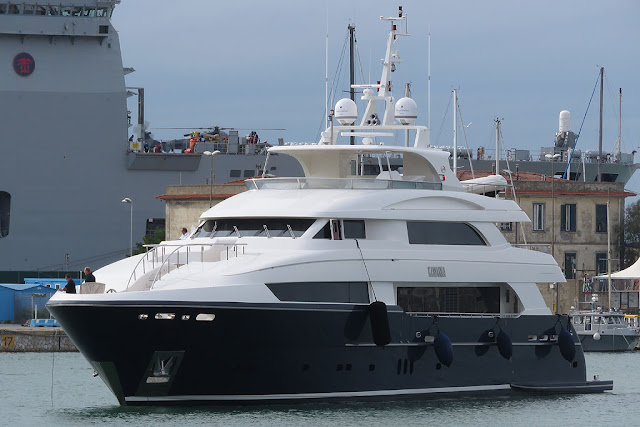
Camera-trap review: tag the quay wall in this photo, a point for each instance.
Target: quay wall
(15, 338)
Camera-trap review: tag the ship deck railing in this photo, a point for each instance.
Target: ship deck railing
(357, 183)
(166, 257)
(462, 315)
(538, 247)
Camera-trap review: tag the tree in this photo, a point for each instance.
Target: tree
(631, 240)
(155, 238)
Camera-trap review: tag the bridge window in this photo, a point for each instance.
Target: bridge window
(443, 233)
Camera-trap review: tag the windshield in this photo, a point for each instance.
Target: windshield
(253, 227)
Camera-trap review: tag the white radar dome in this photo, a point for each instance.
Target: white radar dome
(406, 111)
(346, 111)
(565, 121)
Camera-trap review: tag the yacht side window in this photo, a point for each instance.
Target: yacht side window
(449, 299)
(443, 233)
(324, 232)
(354, 229)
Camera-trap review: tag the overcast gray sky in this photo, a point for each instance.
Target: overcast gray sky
(259, 64)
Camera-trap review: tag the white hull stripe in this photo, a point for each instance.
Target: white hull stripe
(374, 393)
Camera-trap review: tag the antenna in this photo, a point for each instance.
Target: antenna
(326, 68)
(429, 84)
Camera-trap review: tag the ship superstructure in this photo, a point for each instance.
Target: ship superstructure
(66, 159)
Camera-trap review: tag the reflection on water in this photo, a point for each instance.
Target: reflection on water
(31, 395)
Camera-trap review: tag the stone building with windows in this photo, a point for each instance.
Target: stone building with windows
(185, 203)
(572, 221)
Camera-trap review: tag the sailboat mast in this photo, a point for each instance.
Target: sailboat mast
(352, 75)
(619, 128)
(609, 254)
(497, 146)
(600, 131)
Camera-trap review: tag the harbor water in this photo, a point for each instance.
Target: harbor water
(59, 389)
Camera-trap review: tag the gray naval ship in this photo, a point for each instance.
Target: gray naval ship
(68, 161)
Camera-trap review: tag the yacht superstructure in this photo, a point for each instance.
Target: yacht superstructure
(335, 285)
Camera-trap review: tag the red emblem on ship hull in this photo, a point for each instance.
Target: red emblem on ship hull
(24, 64)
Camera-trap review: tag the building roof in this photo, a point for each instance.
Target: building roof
(203, 196)
(193, 196)
(22, 287)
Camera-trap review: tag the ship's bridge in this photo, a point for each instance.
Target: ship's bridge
(341, 166)
(75, 8)
(69, 18)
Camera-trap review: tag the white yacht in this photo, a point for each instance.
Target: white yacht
(335, 285)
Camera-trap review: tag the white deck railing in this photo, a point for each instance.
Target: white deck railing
(163, 258)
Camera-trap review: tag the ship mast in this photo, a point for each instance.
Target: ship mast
(600, 129)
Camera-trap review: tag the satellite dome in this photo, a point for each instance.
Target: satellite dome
(406, 111)
(564, 121)
(346, 111)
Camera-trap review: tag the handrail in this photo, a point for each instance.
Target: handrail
(538, 247)
(448, 314)
(167, 258)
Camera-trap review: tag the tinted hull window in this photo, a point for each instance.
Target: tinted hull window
(347, 292)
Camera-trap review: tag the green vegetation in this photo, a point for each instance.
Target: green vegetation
(631, 237)
(155, 238)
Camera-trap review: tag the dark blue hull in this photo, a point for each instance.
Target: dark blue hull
(158, 353)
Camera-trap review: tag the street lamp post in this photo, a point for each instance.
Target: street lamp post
(130, 202)
(553, 158)
(211, 154)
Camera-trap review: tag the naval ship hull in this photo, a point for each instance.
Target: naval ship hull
(66, 159)
(257, 353)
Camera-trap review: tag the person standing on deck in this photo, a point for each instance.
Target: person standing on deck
(88, 275)
(70, 287)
